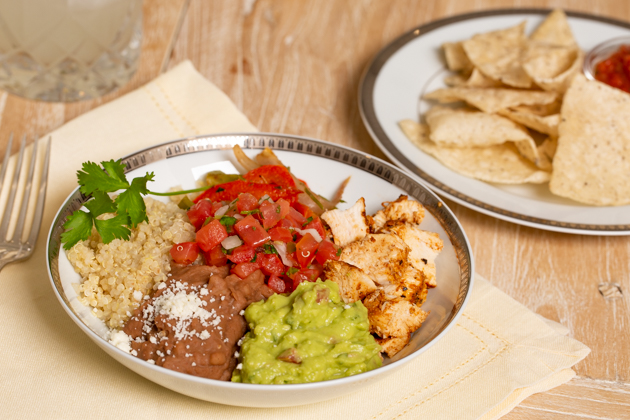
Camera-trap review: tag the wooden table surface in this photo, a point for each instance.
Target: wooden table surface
(293, 66)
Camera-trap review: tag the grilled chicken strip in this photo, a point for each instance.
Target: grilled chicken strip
(353, 283)
(388, 262)
(401, 210)
(381, 256)
(347, 225)
(424, 248)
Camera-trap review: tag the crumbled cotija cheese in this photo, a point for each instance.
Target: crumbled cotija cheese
(182, 307)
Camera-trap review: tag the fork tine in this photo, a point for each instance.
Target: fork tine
(6, 217)
(19, 227)
(5, 163)
(41, 197)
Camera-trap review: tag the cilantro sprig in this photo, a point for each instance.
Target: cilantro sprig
(128, 207)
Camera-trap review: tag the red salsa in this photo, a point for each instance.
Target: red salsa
(615, 70)
(257, 223)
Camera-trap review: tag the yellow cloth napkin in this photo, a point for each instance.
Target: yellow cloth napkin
(498, 353)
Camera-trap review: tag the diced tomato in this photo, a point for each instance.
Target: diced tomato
(326, 251)
(251, 231)
(271, 174)
(306, 274)
(284, 207)
(270, 213)
(216, 257)
(303, 209)
(246, 202)
(241, 254)
(288, 223)
(296, 217)
(199, 212)
(270, 264)
(291, 257)
(306, 249)
(211, 235)
(316, 224)
(281, 234)
(185, 252)
(277, 284)
(244, 269)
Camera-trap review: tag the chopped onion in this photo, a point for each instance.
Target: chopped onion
(243, 159)
(238, 216)
(313, 232)
(265, 197)
(231, 242)
(221, 211)
(281, 247)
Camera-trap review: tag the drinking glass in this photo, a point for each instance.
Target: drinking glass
(68, 50)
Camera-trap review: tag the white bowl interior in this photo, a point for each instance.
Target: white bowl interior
(324, 175)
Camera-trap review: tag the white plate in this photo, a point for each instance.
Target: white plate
(324, 166)
(391, 89)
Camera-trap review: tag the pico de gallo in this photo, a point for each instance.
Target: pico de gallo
(263, 220)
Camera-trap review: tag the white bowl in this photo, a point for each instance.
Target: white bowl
(323, 165)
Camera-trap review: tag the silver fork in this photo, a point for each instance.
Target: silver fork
(14, 248)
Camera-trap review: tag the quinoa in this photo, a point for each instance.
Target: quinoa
(117, 276)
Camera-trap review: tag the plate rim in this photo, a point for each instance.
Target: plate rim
(202, 143)
(370, 121)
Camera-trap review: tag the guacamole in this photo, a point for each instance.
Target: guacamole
(308, 336)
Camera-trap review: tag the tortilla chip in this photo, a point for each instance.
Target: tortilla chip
(555, 30)
(544, 61)
(528, 150)
(547, 125)
(476, 79)
(546, 151)
(561, 82)
(540, 110)
(500, 163)
(592, 162)
(497, 55)
(465, 128)
(456, 58)
(493, 99)
(414, 131)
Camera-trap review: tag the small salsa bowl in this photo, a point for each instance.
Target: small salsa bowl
(601, 52)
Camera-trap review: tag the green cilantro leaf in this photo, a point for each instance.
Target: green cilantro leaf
(78, 227)
(115, 169)
(113, 228)
(270, 249)
(94, 178)
(129, 206)
(228, 221)
(255, 211)
(130, 202)
(100, 204)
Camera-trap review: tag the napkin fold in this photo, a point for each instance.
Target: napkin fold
(496, 355)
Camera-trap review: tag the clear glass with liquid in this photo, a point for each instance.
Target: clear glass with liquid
(68, 50)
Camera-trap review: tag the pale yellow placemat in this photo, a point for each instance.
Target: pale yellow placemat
(498, 353)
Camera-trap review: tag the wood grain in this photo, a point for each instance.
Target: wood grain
(580, 398)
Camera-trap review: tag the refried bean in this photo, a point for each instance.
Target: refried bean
(192, 324)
